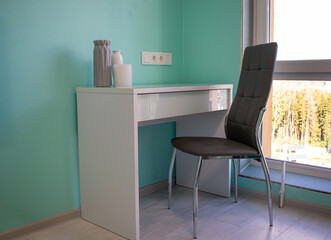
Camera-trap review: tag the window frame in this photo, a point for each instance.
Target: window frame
(303, 70)
(257, 31)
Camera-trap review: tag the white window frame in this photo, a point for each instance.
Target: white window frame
(284, 70)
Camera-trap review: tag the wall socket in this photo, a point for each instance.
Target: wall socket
(156, 58)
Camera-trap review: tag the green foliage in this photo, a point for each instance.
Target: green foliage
(301, 113)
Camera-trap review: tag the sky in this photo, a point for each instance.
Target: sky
(302, 29)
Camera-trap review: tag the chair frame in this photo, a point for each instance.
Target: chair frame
(259, 156)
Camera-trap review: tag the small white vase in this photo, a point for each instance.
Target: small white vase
(116, 58)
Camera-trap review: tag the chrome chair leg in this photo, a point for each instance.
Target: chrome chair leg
(268, 183)
(235, 171)
(171, 168)
(195, 197)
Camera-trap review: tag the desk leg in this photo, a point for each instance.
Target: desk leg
(108, 162)
(215, 176)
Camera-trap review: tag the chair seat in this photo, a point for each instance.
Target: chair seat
(212, 146)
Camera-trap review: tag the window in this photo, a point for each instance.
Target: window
(301, 124)
(301, 28)
(297, 123)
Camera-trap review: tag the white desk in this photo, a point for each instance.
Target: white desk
(108, 120)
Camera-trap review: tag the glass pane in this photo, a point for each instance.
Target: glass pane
(302, 29)
(301, 122)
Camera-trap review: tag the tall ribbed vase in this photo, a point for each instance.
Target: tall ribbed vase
(102, 63)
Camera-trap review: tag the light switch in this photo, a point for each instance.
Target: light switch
(156, 58)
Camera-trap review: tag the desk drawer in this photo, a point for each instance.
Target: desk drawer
(164, 105)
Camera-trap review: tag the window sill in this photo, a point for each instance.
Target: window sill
(312, 183)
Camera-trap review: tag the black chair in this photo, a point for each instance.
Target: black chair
(242, 126)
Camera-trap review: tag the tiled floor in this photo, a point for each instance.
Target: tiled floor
(219, 218)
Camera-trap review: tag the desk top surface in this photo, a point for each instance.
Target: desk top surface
(159, 88)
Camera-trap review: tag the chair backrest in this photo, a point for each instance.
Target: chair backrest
(252, 93)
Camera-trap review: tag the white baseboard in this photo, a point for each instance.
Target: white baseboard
(154, 187)
(37, 225)
(46, 222)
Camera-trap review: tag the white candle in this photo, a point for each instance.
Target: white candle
(122, 75)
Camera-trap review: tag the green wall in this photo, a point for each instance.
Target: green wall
(46, 52)
(154, 156)
(212, 33)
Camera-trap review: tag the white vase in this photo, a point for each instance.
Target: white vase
(116, 58)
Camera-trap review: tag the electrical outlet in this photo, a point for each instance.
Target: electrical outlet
(156, 58)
